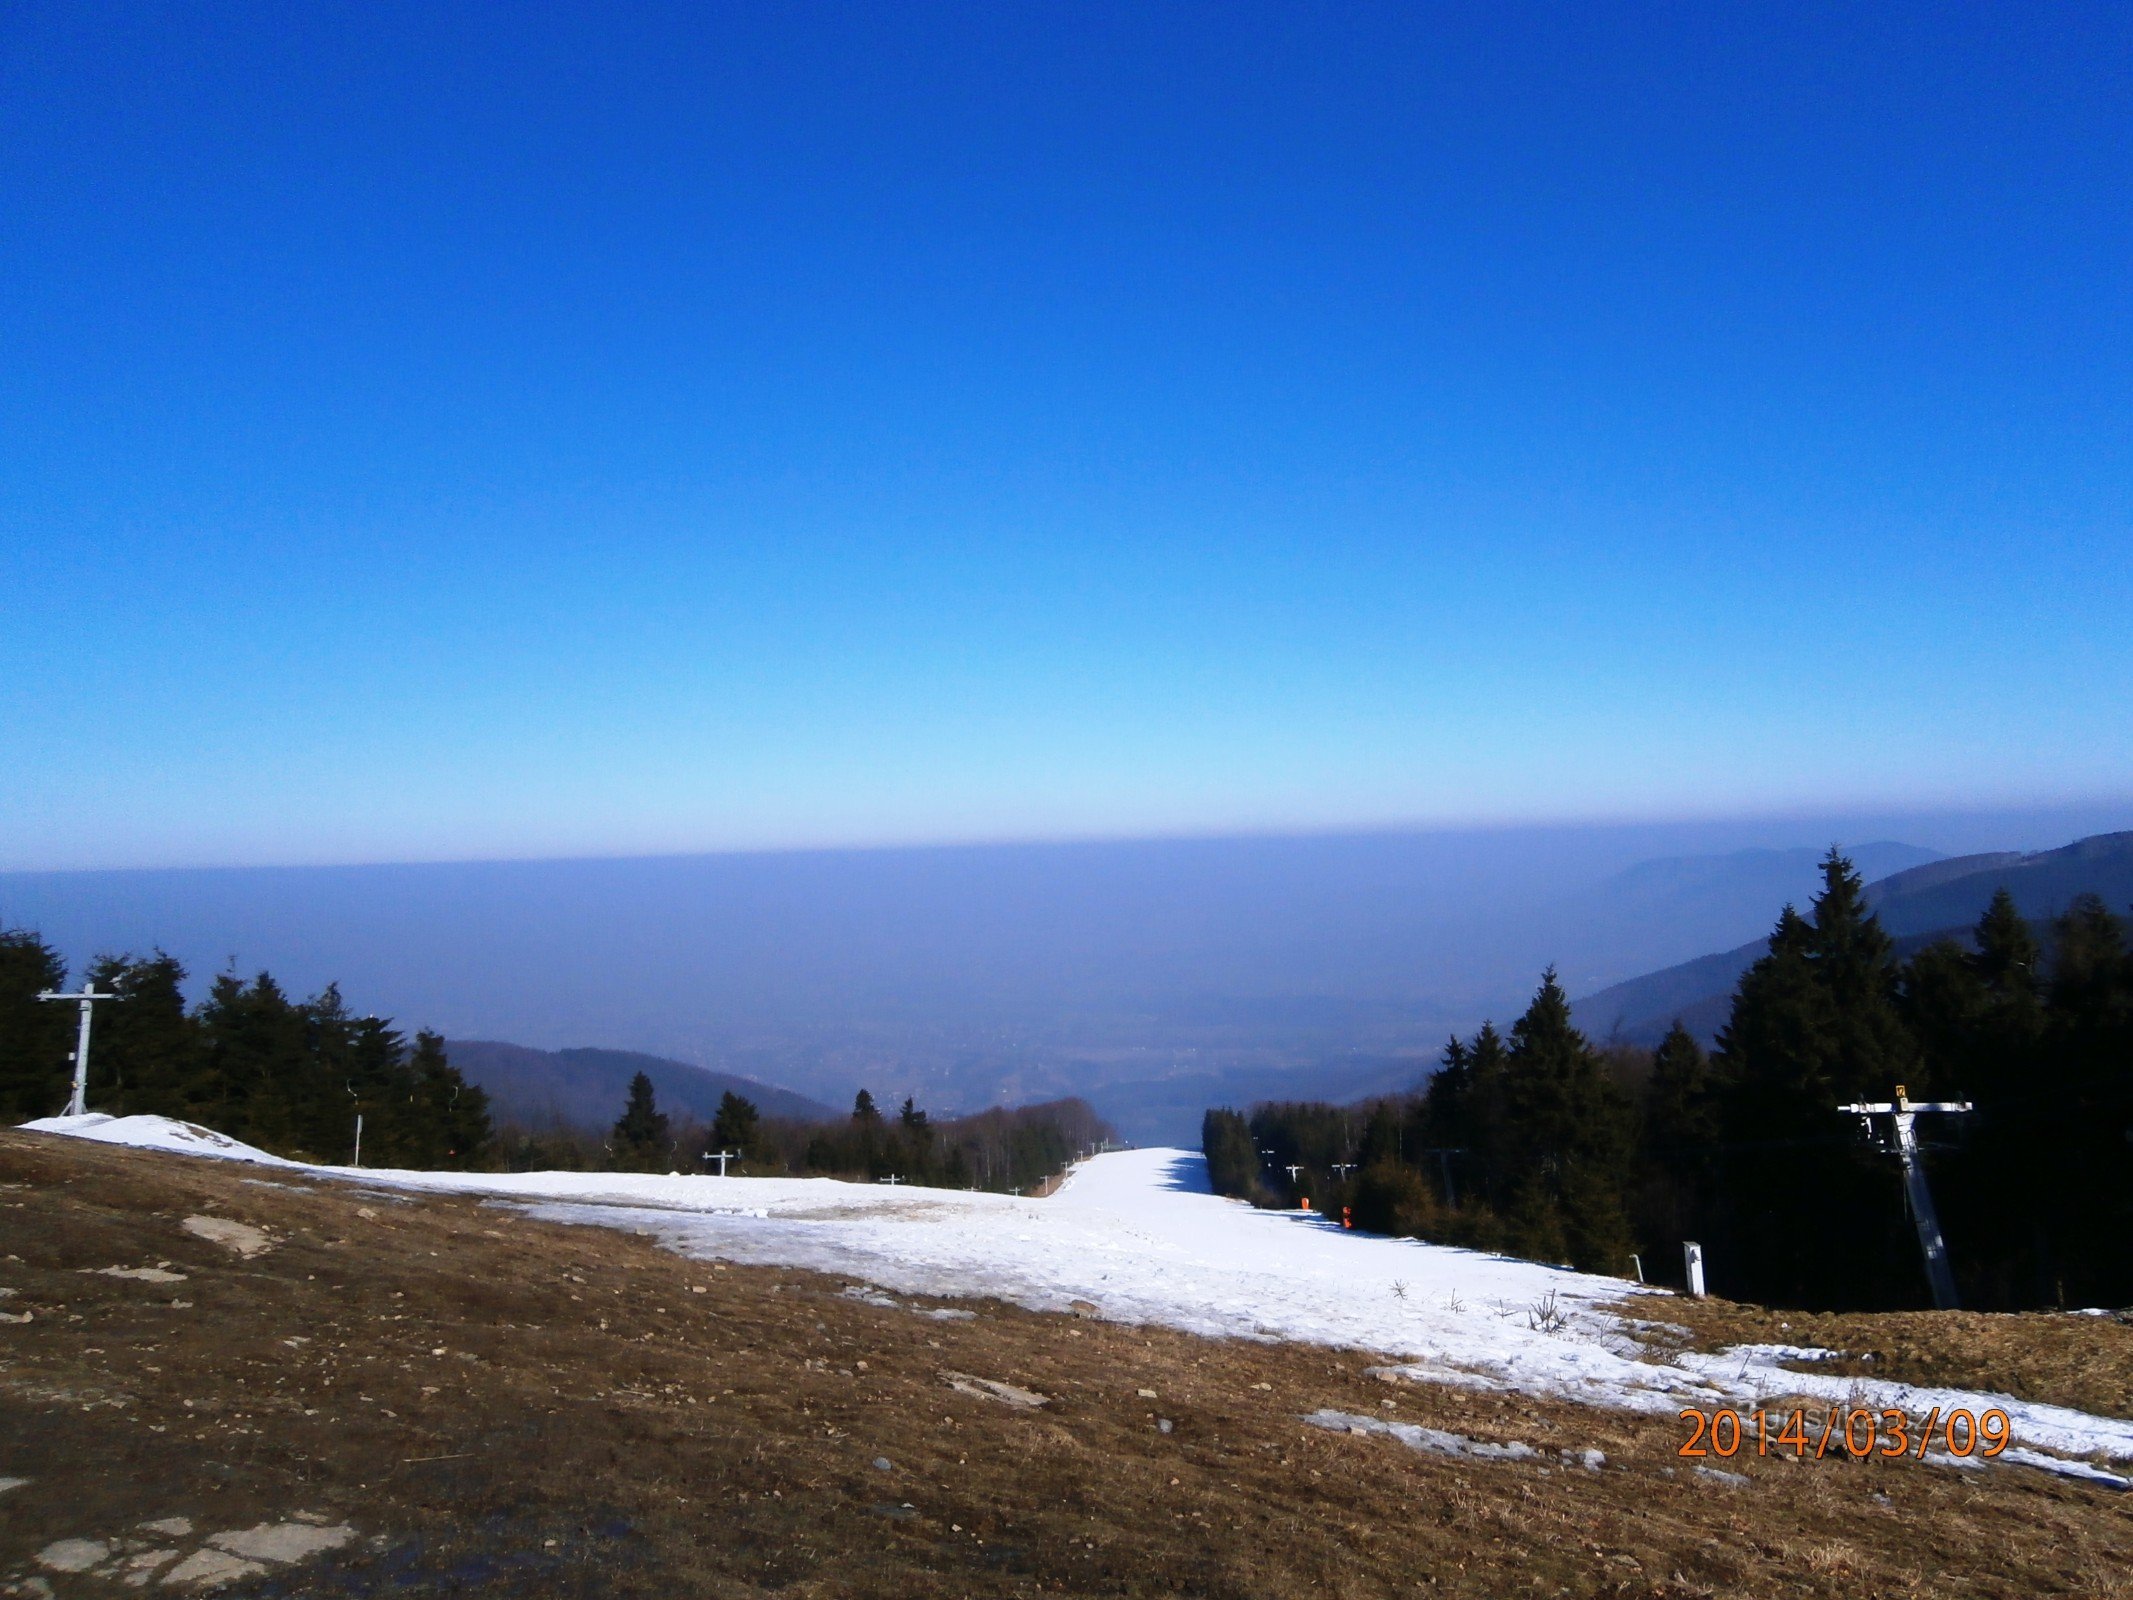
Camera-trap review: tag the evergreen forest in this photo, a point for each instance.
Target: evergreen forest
(1003, 1149)
(289, 1076)
(1538, 1143)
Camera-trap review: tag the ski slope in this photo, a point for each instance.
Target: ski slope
(1137, 1236)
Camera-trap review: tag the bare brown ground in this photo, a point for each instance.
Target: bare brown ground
(505, 1407)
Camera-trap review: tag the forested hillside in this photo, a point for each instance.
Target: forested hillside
(1538, 1143)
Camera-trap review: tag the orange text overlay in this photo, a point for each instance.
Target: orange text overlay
(1882, 1435)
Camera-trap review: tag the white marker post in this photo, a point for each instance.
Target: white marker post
(722, 1157)
(78, 1102)
(1903, 1112)
(1692, 1260)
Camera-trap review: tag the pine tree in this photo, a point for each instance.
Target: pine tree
(1232, 1156)
(254, 1054)
(1676, 1148)
(1391, 1197)
(1680, 1120)
(378, 1086)
(146, 1052)
(640, 1139)
(1383, 1137)
(1448, 1101)
(1854, 962)
(1775, 1047)
(2008, 963)
(735, 1126)
(1807, 1213)
(1979, 1018)
(1565, 1134)
(2083, 1095)
(459, 1110)
(35, 1035)
(318, 1081)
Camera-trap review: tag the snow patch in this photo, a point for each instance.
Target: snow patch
(1136, 1236)
(154, 1133)
(1433, 1441)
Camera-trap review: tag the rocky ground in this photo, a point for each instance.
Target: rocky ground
(218, 1378)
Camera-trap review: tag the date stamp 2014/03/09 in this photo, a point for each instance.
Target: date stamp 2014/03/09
(1884, 1435)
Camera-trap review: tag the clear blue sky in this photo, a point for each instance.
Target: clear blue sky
(436, 431)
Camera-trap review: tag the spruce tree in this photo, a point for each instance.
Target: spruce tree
(2083, 1097)
(1232, 1155)
(254, 1049)
(35, 1035)
(1448, 1101)
(869, 1153)
(2009, 962)
(459, 1110)
(1979, 1017)
(146, 1053)
(1809, 1214)
(1677, 1149)
(641, 1141)
(378, 1086)
(1383, 1137)
(1565, 1134)
(1872, 1050)
(1680, 1120)
(735, 1126)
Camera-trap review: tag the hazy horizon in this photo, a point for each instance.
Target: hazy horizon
(1146, 974)
(1958, 823)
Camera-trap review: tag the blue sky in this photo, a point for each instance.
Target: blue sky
(434, 432)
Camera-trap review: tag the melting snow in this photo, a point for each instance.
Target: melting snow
(154, 1133)
(1433, 1440)
(1137, 1236)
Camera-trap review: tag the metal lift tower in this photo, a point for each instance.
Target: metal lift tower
(78, 1102)
(1903, 1113)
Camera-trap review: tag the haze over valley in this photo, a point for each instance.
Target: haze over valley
(1152, 977)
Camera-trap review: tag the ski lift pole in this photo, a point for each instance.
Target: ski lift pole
(1903, 1113)
(78, 1101)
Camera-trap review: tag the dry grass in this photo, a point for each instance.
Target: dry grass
(609, 1419)
(2080, 1361)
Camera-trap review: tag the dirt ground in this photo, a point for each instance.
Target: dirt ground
(462, 1401)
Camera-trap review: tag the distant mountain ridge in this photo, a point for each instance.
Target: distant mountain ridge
(585, 1088)
(1917, 905)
